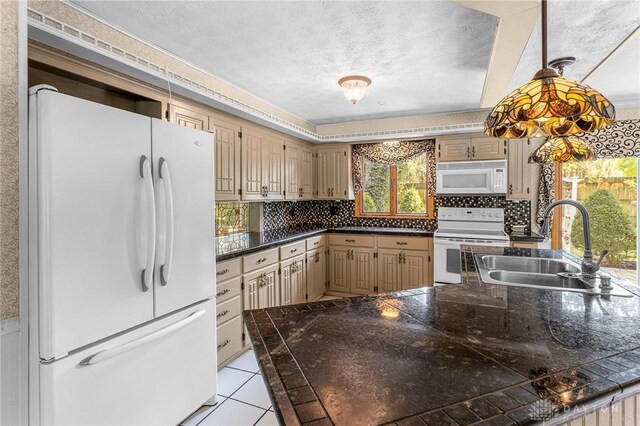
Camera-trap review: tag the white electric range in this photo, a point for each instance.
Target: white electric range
(469, 226)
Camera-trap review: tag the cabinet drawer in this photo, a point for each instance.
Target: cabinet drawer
(229, 339)
(260, 260)
(291, 250)
(228, 269)
(409, 243)
(228, 289)
(227, 310)
(315, 242)
(352, 240)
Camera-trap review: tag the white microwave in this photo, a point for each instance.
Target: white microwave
(471, 177)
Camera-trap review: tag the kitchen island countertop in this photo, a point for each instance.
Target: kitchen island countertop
(456, 354)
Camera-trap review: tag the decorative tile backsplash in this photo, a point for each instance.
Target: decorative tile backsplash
(301, 214)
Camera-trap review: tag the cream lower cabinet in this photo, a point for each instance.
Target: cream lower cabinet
(292, 280)
(228, 309)
(352, 269)
(262, 288)
(316, 274)
(402, 269)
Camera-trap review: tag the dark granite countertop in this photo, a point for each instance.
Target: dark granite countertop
(455, 354)
(241, 244)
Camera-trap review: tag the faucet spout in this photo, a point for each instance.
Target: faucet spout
(588, 265)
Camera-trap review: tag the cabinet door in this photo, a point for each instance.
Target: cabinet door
(315, 175)
(227, 160)
(250, 293)
(488, 149)
(292, 171)
(389, 274)
(298, 284)
(339, 266)
(454, 150)
(311, 275)
(321, 274)
(273, 167)
(269, 290)
(305, 173)
(251, 165)
(362, 271)
(415, 269)
(285, 283)
(188, 118)
(340, 166)
(519, 169)
(326, 175)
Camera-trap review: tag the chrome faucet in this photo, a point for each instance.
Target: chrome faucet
(588, 265)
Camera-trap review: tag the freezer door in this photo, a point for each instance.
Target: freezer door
(90, 212)
(185, 254)
(155, 375)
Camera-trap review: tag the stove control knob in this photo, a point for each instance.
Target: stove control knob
(483, 214)
(490, 214)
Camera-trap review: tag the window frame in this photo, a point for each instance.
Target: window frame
(393, 199)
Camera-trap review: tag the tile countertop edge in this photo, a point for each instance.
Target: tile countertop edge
(408, 232)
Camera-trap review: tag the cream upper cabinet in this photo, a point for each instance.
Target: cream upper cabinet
(519, 170)
(188, 118)
(299, 172)
(469, 149)
(334, 173)
(227, 160)
(487, 148)
(262, 165)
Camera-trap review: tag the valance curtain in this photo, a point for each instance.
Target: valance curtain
(391, 153)
(620, 140)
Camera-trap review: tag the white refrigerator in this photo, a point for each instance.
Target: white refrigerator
(121, 265)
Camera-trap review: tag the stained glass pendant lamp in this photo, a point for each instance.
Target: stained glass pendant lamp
(563, 149)
(549, 105)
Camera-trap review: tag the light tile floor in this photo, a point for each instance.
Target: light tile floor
(242, 398)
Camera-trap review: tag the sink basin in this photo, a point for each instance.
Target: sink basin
(540, 280)
(541, 273)
(528, 264)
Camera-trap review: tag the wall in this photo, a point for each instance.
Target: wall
(289, 215)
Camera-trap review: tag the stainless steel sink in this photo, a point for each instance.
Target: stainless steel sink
(529, 264)
(547, 274)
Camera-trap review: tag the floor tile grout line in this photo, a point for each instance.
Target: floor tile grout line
(239, 387)
(240, 369)
(214, 409)
(263, 414)
(248, 403)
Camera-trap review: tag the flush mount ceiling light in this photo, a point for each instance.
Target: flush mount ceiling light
(549, 105)
(354, 87)
(563, 149)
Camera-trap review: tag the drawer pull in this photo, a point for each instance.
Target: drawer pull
(224, 271)
(264, 259)
(401, 243)
(293, 250)
(223, 313)
(222, 345)
(350, 241)
(223, 292)
(316, 243)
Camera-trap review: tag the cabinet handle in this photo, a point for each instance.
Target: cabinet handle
(473, 152)
(468, 154)
(223, 292)
(350, 241)
(401, 243)
(510, 189)
(223, 313)
(293, 250)
(399, 257)
(264, 259)
(224, 271)
(222, 345)
(317, 257)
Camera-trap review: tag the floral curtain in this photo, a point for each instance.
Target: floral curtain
(620, 140)
(392, 153)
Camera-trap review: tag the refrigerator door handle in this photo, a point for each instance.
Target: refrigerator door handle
(108, 354)
(163, 172)
(145, 172)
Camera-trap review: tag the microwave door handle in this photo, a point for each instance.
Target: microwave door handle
(165, 269)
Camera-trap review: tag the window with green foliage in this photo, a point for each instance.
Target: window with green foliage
(397, 190)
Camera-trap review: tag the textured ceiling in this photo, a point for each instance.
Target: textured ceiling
(423, 57)
(588, 30)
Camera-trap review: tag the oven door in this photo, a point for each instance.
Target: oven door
(471, 181)
(447, 265)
